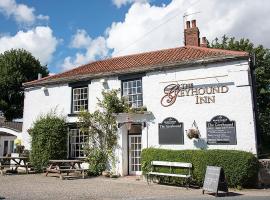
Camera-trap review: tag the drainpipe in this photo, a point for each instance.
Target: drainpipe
(252, 66)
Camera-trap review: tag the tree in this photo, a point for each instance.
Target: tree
(16, 66)
(101, 129)
(262, 74)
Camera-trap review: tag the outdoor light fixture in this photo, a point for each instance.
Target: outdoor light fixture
(44, 89)
(129, 124)
(103, 81)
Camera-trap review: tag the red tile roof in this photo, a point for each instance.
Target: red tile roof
(140, 62)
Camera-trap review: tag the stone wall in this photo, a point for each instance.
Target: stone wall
(264, 172)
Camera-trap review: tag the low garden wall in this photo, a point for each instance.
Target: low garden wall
(264, 172)
(241, 168)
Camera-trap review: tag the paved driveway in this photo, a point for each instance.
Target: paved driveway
(41, 187)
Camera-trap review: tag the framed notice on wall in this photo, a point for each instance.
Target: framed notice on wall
(221, 131)
(171, 131)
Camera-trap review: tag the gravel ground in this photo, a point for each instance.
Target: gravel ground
(37, 186)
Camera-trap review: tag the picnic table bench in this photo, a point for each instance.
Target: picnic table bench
(172, 166)
(13, 163)
(65, 166)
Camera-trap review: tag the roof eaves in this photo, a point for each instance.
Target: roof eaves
(148, 68)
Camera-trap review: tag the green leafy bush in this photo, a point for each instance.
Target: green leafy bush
(97, 160)
(241, 168)
(49, 140)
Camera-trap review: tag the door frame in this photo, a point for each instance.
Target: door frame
(138, 134)
(8, 140)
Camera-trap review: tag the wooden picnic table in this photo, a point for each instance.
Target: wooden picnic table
(13, 162)
(65, 166)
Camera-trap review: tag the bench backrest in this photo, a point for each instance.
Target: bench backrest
(171, 164)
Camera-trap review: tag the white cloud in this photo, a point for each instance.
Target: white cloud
(148, 27)
(120, 3)
(81, 39)
(133, 34)
(242, 18)
(39, 41)
(95, 49)
(21, 13)
(43, 17)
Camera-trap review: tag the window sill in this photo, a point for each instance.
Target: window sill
(73, 115)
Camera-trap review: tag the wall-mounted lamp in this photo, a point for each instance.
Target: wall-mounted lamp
(103, 81)
(45, 90)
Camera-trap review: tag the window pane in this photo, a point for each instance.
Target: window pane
(77, 143)
(132, 90)
(80, 99)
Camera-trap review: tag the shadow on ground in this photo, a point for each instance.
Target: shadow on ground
(224, 194)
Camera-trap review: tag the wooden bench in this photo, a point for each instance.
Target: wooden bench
(172, 166)
(65, 166)
(67, 171)
(13, 162)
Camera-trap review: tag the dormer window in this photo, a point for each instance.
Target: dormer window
(79, 99)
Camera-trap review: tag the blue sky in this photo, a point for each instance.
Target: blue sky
(66, 34)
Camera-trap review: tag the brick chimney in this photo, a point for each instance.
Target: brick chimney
(192, 35)
(204, 42)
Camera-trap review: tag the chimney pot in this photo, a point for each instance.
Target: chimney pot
(39, 76)
(193, 23)
(204, 42)
(188, 24)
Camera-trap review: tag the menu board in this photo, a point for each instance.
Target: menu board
(211, 179)
(215, 180)
(171, 131)
(221, 131)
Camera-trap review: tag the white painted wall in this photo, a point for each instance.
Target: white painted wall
(236, 105)
(37, 102)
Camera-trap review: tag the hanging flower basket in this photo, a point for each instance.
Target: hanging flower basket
(193, 133)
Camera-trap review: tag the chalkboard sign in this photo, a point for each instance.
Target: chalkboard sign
(171, 131)
(220, 130)
(214, 180)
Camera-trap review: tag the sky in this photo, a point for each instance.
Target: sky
(64, 34)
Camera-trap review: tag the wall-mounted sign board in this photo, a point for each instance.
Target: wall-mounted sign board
(221, 131)
(171, 131)
(214, 180)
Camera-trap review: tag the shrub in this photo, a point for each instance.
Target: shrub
(97, 160)
(49, 140)
(241, 168)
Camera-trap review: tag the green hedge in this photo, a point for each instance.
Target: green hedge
(241, 168)
(49, 140)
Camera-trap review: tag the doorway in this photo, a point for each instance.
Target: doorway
(8, 147)
(135, 148)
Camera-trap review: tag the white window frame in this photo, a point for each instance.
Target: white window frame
(76, 146)
(132, 90)
(79, 99)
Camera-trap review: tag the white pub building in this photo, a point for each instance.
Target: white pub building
(186, 87)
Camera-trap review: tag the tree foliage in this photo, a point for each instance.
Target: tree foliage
(262, 73)
(16, 66)
(49, 140)
(101, 129)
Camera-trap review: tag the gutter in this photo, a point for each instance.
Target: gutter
(148, 68)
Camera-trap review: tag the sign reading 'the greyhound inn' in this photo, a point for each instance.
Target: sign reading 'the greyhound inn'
(202, 94)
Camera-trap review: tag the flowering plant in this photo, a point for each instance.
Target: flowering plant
(193, 133)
